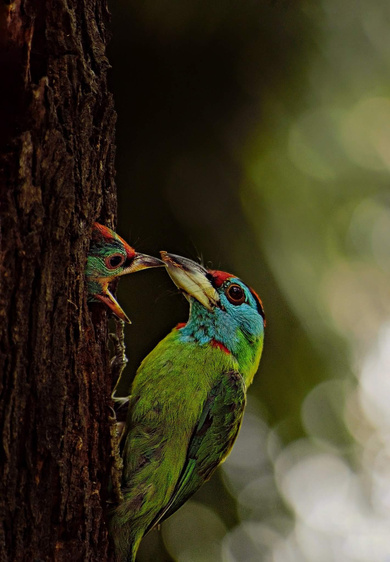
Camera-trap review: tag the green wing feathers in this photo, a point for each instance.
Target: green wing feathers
(212, 439)
(182, 424)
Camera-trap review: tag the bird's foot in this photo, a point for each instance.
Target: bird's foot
(119, 411)
(119, 359)
(118, 364)
(117, 462)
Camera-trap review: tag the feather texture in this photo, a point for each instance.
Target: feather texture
(186, 405)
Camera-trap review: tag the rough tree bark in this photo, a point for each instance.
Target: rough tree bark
(56, 167)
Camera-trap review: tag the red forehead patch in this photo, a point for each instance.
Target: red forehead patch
(220, 277)
(100, 229)
(108, 235)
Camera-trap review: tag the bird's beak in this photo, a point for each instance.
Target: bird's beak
(141, 261)
(191, 278)
(137, 263)
(109, 299)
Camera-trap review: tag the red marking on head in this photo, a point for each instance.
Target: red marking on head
(259, 304)
(219, 277)
(104, 231)
(180, 325)
(219, 345)
(108, 235)
(129, 250)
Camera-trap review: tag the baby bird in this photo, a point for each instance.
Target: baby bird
(109, 257)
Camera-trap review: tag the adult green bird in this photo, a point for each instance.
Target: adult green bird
(109, 257)
(187, 400)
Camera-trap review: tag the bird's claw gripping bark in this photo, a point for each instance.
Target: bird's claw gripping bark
(119, 359)
(118, 364)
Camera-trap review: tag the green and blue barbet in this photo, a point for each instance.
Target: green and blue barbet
(109, 257)
(187, 400)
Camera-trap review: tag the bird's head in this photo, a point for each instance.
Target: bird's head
(224, 311)
(110, 257)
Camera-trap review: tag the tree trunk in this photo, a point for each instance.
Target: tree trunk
(57, 166)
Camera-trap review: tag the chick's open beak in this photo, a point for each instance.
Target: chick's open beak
(191, 278)
(109, 299)
(137, 263)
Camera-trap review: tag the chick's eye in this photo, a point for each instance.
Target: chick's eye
(114, 261)
(235, 294)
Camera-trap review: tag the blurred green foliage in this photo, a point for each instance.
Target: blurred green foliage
(255, 134)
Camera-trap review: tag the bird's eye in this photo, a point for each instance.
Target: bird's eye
(235, 294)
(114, 261)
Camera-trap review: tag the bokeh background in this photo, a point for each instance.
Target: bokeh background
(256, 135)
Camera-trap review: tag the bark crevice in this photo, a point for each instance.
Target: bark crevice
(56, 178)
